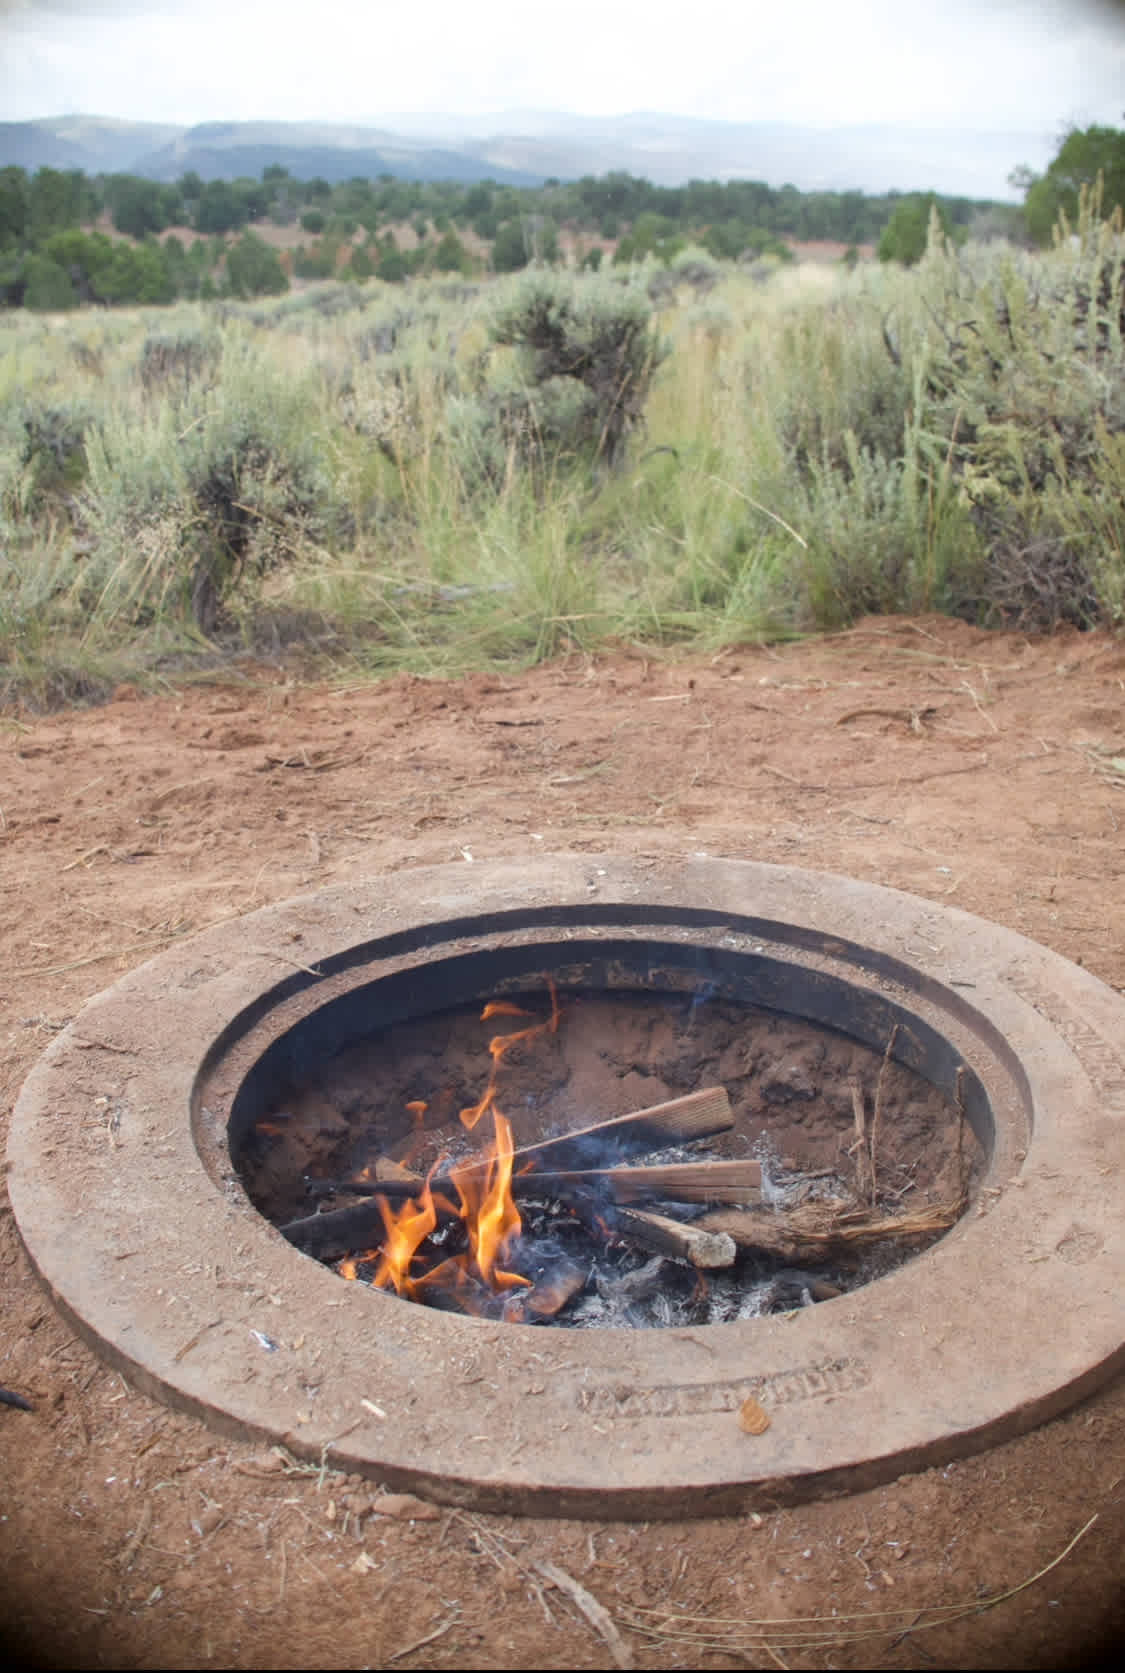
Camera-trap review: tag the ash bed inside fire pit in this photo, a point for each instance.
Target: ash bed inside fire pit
(122, 1179)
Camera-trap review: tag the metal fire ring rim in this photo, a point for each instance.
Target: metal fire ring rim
(1010, 1319)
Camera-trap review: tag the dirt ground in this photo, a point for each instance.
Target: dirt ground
(971, 769)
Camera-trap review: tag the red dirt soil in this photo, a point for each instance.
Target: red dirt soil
(967, 768)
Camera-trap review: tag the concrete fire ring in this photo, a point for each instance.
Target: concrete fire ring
(122, 1187)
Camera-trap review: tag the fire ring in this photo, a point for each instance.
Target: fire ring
(121, 1181)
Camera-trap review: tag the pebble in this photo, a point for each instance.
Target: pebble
(404, 1507)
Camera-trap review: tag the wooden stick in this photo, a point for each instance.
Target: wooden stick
(737, 1183)
(797, 1238)
(697, 1115)
(719, 1182)
(387, 1168)
(703, 1248)
(859, 1148)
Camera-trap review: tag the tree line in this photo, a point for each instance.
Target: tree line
(51, 258)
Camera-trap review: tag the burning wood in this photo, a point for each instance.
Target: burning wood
(328, 1236)
(547, 1296)
(343, 1229)
(705, 1249)
(696, 1115)
(410, 1241)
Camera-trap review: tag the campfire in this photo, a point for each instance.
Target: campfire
(628, 1220)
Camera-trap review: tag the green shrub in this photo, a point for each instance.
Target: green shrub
(184, 517)
(594, 334)
(48, 285)
(905, 235)
(1029, 377)
(511, 249)
(392, 267)
(540, 429)
(254, 269)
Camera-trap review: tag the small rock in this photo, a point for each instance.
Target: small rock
(265, 1463)
(404, 1507)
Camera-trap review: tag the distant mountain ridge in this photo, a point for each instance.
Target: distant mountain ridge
(95, 144)
(525, 148)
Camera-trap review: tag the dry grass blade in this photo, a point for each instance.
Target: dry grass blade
(96, 958)
(1109, 768)
(418, 1643)
(737, 1636)
(596, 1613)
(136, 1538)
(877, 1111)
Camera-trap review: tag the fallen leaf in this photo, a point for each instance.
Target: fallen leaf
(753, 1419)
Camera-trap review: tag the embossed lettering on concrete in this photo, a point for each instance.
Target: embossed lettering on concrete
(1102, 1064)
(808, 1382)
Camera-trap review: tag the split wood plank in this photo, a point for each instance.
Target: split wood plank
(705, 1249)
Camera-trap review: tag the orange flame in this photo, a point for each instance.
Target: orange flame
(484, 1188)
(503, 1043)
(489, 1210)
(406, 1230)
(492, 1223)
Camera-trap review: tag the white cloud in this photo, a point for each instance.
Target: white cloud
(985, 63)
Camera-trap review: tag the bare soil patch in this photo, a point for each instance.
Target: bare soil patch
(968, 768)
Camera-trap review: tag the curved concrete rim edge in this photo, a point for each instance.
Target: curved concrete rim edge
(1011, 1318)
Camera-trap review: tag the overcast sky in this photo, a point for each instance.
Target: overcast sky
(1033, 65)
